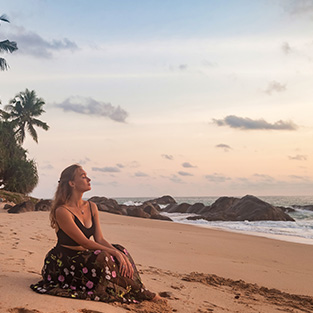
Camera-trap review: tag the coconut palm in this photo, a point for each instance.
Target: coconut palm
(22, 112)
(6, 46)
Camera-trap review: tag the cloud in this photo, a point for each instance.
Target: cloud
(217, 178)
(176, 179)
(188, 165)
(264, 177)
(89, 106)
(301, 178)
(180, 67)
(275, 87)
(181, 173)
(167, 156)
(120, 165)
(286, 48)
(106, 169)
(84, 161)
(30, 43)
(298, 7)
(298, 157)
(223, 146)
(246, 123)
(141, 174)
(47, 167)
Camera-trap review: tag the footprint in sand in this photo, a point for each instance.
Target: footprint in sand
(22, 310)
(88, 311)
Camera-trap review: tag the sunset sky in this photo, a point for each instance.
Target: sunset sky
(187, 98)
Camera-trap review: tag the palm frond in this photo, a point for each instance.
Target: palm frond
(4, 18)
(8, 46)
(3, 64)
(32, 132)
(41, 124)
(5, 115)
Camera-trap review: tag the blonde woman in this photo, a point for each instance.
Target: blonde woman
(79, 267)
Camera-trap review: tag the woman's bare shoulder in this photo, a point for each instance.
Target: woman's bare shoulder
(62, 209)
(93, 206)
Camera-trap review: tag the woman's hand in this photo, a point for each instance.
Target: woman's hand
(126, 269)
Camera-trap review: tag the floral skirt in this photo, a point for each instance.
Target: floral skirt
(91, 275)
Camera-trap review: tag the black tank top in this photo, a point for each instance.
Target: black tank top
(64, 239)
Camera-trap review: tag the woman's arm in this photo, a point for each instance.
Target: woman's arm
(66, 222)
(98, 236)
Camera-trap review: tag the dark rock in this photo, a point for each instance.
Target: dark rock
(195, 208)
(286, 209)
(205, 209)
(104, 208)
(163, 200)
(8, 206)
(248, 208)
(220, 205)
(303, 207)
(26, 206)
(137, 212)
(43, 205)
(110, 203)
(151, 209)
(161, 217)
(179, 208)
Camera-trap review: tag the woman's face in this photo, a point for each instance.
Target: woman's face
(81, 181)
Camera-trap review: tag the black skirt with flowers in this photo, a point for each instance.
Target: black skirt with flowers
(89, 274)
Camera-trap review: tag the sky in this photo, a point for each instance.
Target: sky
(186, 98)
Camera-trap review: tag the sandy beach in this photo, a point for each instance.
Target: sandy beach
(197, 269)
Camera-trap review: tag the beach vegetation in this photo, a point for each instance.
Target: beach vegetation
(17, 172)
(22, 113)
(6, 46)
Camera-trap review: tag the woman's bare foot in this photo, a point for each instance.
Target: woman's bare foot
(157, 298)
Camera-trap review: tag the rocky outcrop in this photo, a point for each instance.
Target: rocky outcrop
(108, 204)
(26, 206)
(195, 208)
(43, 205)
(149, 209)
(248, 208)
(162, 200)
(177, 208)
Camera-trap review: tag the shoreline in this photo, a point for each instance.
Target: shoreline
(172, 257)
(286, 238)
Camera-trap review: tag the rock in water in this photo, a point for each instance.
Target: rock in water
(248, 208)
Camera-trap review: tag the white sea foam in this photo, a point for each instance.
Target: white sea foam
(300, 231)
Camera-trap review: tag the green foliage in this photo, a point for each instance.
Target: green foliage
(17, 173)
(22, 112)
(16, 197)
(6, 46)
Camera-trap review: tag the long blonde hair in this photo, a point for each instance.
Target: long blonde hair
(63, 192)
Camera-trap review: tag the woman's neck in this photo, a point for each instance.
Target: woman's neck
(76, 200)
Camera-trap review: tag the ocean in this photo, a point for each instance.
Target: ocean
(300, 231)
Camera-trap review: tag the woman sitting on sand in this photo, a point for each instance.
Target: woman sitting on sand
(78, 267)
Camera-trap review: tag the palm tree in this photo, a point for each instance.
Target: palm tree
(22, 112)
(6, 46)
